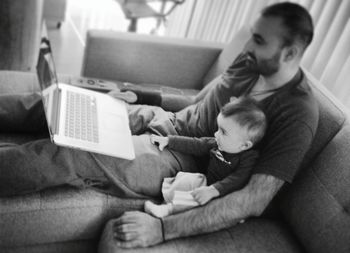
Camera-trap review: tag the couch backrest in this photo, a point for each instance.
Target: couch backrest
(317, 204)
(140, 58)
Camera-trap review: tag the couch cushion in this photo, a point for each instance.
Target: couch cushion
(62, 247)
(331, 119)
(58, 214)
(317, 205)
(255, 235)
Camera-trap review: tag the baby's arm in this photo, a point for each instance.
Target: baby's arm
(161, 141)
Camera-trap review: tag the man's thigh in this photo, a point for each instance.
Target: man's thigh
(143, 176)
(22, 113)
(37, 165)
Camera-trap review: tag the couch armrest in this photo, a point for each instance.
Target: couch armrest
(135, 58)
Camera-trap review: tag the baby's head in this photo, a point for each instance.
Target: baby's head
(241, 124)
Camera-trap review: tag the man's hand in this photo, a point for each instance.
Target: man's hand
(127, 96)
(137, 229)
(205, 193)
(161, 141)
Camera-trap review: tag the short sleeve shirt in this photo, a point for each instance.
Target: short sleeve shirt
(292, 115)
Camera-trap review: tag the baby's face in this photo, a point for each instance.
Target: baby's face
(230, 137)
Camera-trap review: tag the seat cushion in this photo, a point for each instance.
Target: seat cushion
(61, 247)
(317, 205)
(255, 235)
(58, 215)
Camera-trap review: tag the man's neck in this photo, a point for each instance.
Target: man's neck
(280, 78)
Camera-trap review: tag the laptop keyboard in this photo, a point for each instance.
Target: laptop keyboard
(81, 117)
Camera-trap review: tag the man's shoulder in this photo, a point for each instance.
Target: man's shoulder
(299, 99)
(295, 106)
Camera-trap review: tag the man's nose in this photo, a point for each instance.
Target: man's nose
(248, 46)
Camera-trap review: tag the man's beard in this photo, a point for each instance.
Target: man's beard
(265, 67)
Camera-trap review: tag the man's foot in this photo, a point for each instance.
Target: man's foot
(158, 210)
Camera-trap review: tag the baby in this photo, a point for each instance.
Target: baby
(241, 125)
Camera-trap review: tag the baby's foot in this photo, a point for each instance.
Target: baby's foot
(157, 210)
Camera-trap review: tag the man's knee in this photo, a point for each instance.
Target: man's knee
(140, 116)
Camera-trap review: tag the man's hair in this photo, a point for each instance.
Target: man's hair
(297, 21)
(247, 113)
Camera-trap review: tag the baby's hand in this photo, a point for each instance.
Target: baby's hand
(205, 193)
(161, 141)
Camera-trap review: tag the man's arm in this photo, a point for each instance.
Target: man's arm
(137, 229)
(226, 211)
(170, 102)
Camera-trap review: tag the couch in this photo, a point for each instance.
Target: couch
(311, 215)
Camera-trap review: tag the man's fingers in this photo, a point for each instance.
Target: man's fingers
(124, 228)
(127, 217)
(125, 236)
(129, 244)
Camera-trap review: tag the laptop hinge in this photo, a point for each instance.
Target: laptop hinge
(56, 105)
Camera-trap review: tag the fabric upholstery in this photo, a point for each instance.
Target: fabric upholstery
(140, 59)
(255, 235)
(331, 119)
(62, 247)
(317, 205)
(58, 214)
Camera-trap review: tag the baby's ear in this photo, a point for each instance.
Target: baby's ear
(246, 145)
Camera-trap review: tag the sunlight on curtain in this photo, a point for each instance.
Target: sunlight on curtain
(327, 58)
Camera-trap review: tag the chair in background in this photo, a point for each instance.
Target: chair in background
(136, 9)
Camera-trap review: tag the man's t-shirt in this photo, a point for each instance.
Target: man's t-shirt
(292, 115)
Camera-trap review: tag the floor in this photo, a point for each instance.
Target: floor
(69, 40)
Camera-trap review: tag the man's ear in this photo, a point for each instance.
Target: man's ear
(246, 145)
(291, 53)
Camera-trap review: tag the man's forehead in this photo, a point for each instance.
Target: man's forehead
(268, 28)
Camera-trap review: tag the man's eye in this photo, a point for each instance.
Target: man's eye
(258, 41)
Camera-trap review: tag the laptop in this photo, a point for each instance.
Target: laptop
(80, 118)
